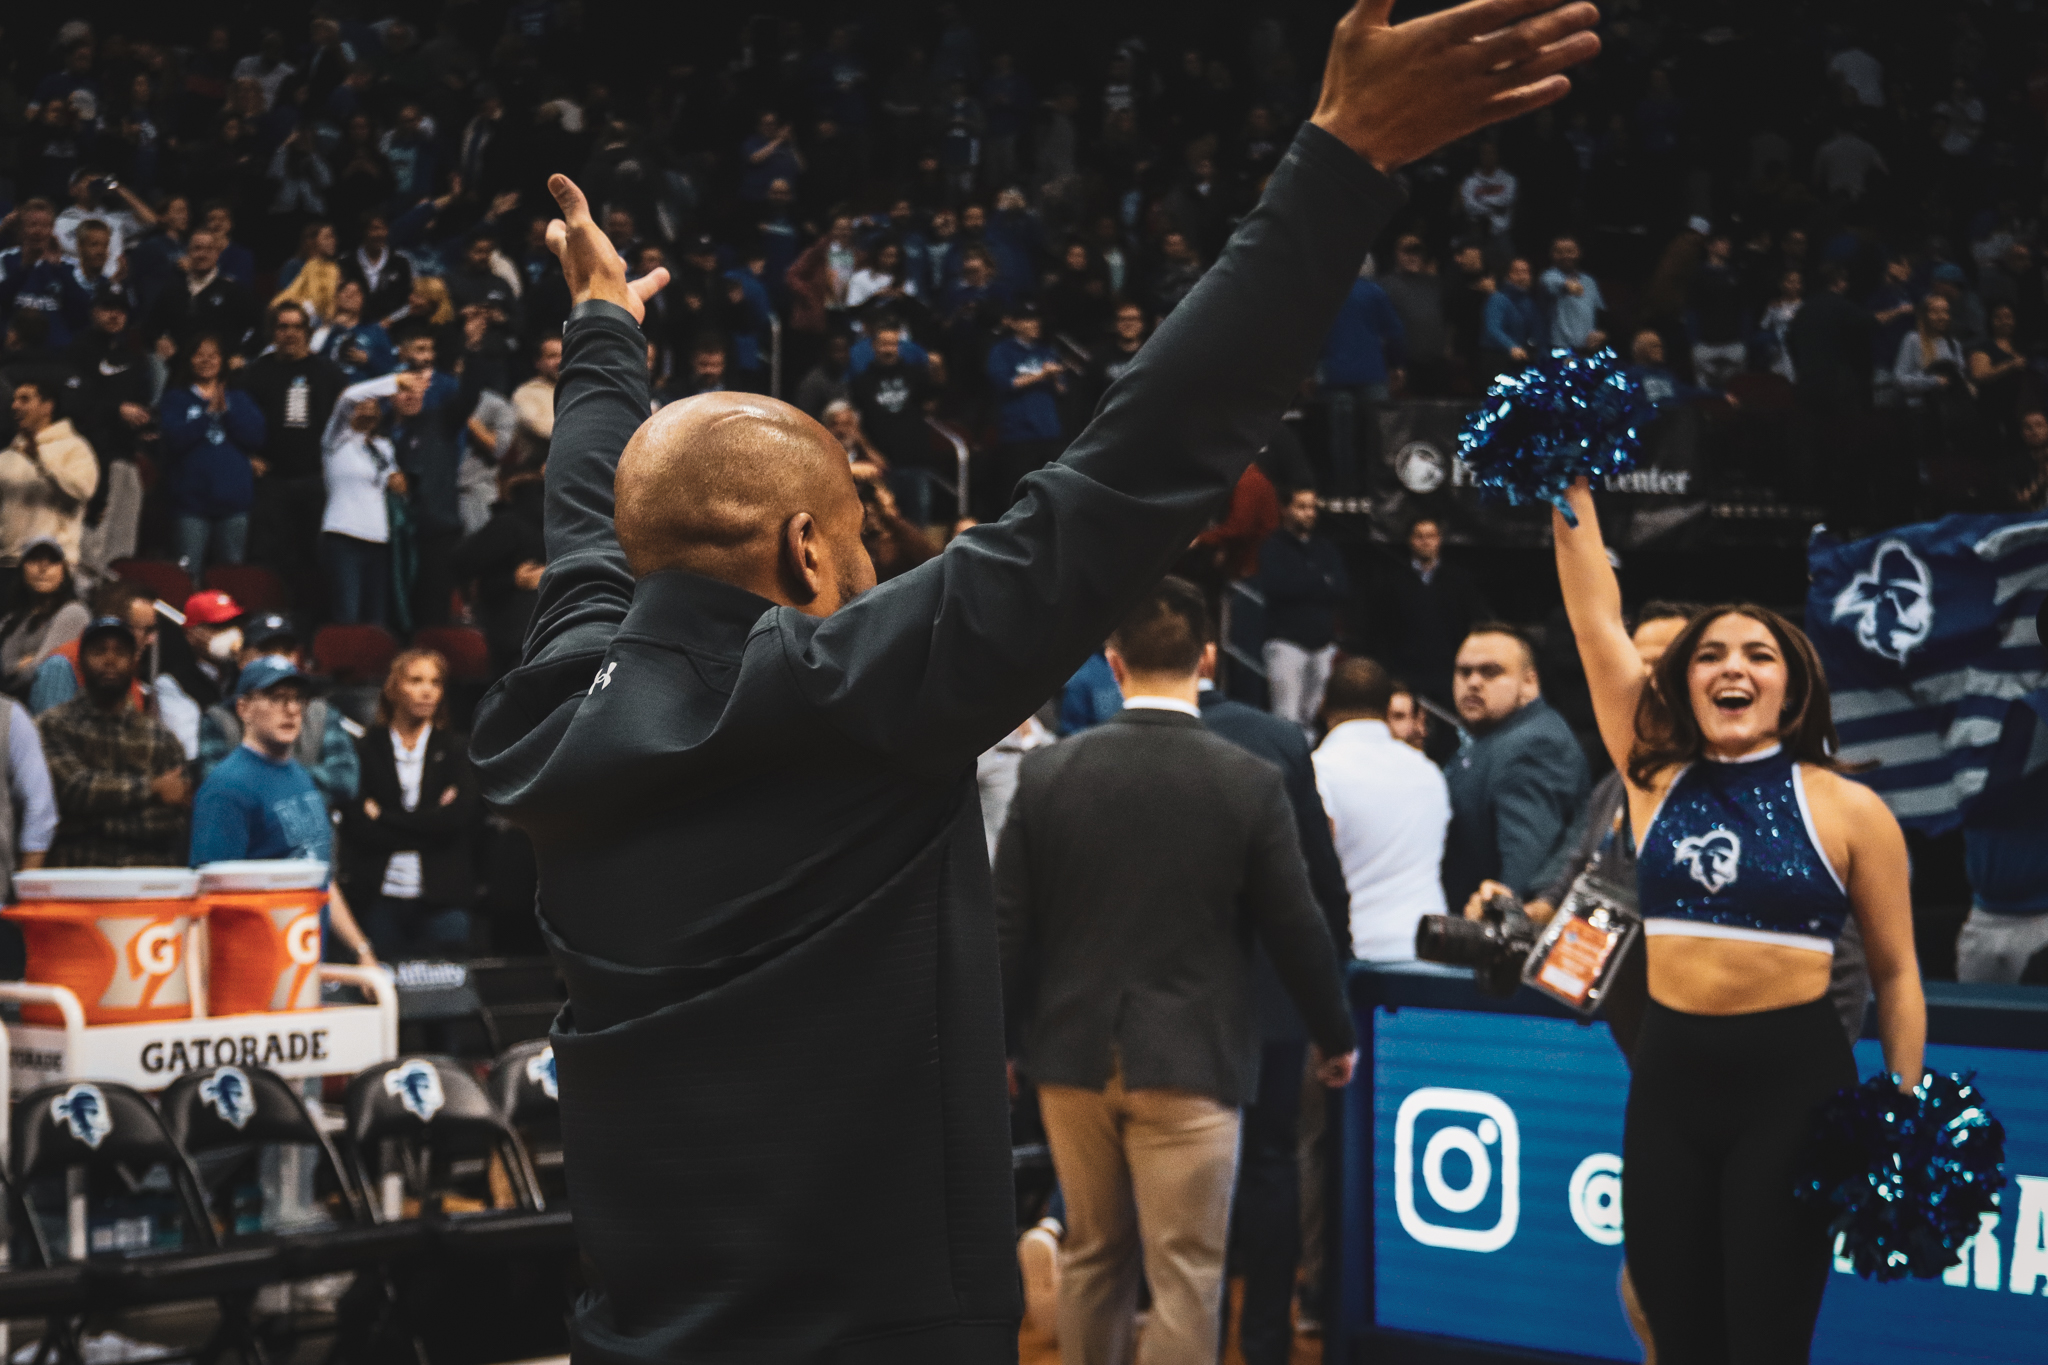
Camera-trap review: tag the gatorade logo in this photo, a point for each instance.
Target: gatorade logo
(302, 946)
(153, 956)
(148, 962)
(154, 951)
(302, 939)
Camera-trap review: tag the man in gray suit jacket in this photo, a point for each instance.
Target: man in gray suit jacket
(1139, 863)
(1519, 783)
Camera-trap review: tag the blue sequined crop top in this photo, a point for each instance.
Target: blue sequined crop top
(1732, 853)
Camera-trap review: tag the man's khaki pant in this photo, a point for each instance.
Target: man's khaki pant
(1155, 1167)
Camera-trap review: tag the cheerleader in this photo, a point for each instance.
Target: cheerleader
(1753, 853)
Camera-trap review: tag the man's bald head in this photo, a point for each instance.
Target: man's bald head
(747, 490)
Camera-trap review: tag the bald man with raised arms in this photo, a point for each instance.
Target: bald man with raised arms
(748, 773)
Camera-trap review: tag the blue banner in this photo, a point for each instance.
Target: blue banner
(1937, 673)
(1496, 1200)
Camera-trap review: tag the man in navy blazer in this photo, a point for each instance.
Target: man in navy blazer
(1519, 782)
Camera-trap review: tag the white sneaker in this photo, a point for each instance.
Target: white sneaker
(1038, 1259)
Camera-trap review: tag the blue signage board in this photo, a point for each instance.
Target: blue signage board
(1495, 1209)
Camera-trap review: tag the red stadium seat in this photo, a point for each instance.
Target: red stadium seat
(469, 658)
(354, 654)
(253, 587)
(160, 576)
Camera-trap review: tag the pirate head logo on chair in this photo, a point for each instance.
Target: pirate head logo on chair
(417, 1087)
(1712, 857)
(1892, 604)
(82, 1112)
(227, 1090)
(540, 1071)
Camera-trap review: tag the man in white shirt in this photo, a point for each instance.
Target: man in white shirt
(535, 399)
(92, 199)
(1487, 198)
(355, 530)
(1389, 810)
(1862, 73)
(267, 67)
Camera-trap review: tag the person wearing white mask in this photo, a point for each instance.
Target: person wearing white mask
(326, 747)
(197, 670)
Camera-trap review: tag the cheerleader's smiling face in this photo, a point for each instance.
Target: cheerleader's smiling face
(1737, 681)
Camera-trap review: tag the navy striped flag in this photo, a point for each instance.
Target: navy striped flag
(1937, 672)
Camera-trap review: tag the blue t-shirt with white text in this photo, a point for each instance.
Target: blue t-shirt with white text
(250, 807)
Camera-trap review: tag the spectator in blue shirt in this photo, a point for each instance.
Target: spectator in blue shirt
(1090, 697)
(863, 353)
(1661, 386)
(326, 747)
(210, 433)
(35, 276)
(358, 346)
(1574, 300)
(236, 261)
(1513, 323)
(409, 152)
(1361, 358)
(76, 76)
(259, 803)
(769, 155)
(1028, 379)
(1363, 350)
(29, 804)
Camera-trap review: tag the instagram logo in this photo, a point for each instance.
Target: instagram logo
(1470, 1169)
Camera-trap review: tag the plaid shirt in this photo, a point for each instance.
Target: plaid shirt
(101, 765)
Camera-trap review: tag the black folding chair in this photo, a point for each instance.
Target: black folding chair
(54, 1293)
(225, 1118)
(427, 1122)
(117, 1143)
(522, 1084)
(424, 1127)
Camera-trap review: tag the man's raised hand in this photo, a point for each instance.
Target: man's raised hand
(590, 263)
(1395, 93)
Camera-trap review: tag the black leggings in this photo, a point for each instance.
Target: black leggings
(1729, 1269)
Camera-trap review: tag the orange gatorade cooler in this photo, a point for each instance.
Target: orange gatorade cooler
(263, 932)
(114, 935)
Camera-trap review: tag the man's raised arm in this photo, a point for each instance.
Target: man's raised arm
(600, 401)
(941, 662)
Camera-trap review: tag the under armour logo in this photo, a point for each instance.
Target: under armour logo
(603, 678)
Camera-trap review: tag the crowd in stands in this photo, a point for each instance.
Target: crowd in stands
(279, 299)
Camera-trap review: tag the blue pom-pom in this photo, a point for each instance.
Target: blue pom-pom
(1906, 1178)
(1564, 418)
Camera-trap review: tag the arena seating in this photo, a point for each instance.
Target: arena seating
(354, 655)
(428, 1161)
(253, 587)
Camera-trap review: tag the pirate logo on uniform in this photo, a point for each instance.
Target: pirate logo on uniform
(1712, 856)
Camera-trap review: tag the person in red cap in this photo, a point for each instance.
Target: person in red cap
(197, 668)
